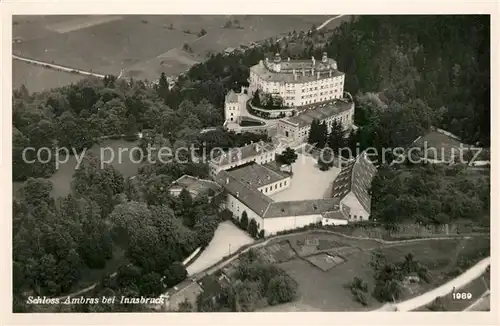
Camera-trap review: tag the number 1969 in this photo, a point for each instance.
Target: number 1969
(462, 295)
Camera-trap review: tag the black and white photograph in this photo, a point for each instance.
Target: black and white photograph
(251, 163)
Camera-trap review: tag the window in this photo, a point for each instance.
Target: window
(285, 183)
(275, 186)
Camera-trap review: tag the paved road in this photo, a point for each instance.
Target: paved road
(426, 298)
(57, 67)
(328, 22)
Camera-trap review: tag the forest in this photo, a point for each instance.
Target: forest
(406, 73)
(430, 194)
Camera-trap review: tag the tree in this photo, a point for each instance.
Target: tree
(322, 135)
(281, 289)
(151, 285)
(325, 160)
(185, 306)
(252, 228)
(288, 157)
(244, 220)
(336, 138)
(256, 99)
(174, 274)
(202, 32)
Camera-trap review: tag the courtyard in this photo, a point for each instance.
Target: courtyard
(308, 181)
(227, 239)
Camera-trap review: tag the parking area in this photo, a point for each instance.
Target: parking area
(308, 181)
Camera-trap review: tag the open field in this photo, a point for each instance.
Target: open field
(61, 179)
(37, 79)
(227, 239)
(143, 46)
(308, 181)
(324, 290)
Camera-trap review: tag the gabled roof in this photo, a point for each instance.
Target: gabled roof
(356, 177)
(255, 175)
(302, 207)
(194, 185)
(231, 97)
(241, 153)
(440, 145)
(251, 197)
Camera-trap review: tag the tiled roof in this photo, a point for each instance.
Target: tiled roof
(244, 152)
(438, 142)
(301, 207)
(231, 97)
(251, 197)
(255, 175)
(195, 185)
(319, 111)
(356, 177)
(337, 215)
(302, 71)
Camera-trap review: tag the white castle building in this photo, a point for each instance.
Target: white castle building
(298, 82)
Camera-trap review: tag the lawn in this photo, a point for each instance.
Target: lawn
(62, 178)
(227, 239)
(308, 181)
(324, 290)
(143, 46)
(38, 79)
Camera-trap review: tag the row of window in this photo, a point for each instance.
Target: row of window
(265, 190)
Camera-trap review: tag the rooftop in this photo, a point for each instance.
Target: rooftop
(231, 97)
(302, 207)
(319, 111)
(356, 177)
(244, 152)
(194, 185)
(251, 197)
(440, 142)
(255, 175)
(297, 71)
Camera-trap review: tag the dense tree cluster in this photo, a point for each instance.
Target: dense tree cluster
(57, 241)
(256, 284)
(389, 276)
(430, 194)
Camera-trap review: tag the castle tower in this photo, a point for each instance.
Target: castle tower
(277, 62)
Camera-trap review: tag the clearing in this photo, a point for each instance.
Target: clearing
(62, 178)
(38, 79)
(324, 290)
(227, 239)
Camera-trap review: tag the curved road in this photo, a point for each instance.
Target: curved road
(426, 298)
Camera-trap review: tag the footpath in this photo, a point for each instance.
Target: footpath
(426, 298)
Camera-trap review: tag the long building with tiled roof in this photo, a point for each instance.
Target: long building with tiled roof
(259, 152)
(352, 186)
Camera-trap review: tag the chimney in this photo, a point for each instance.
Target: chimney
(312, 71)
(227, 181)
(303, 72)
(313, 61)
(318, 74)
(268, 177)
(288, 58)
(330, 73)
(237, 194)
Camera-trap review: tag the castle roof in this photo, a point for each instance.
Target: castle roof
(356, 177)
